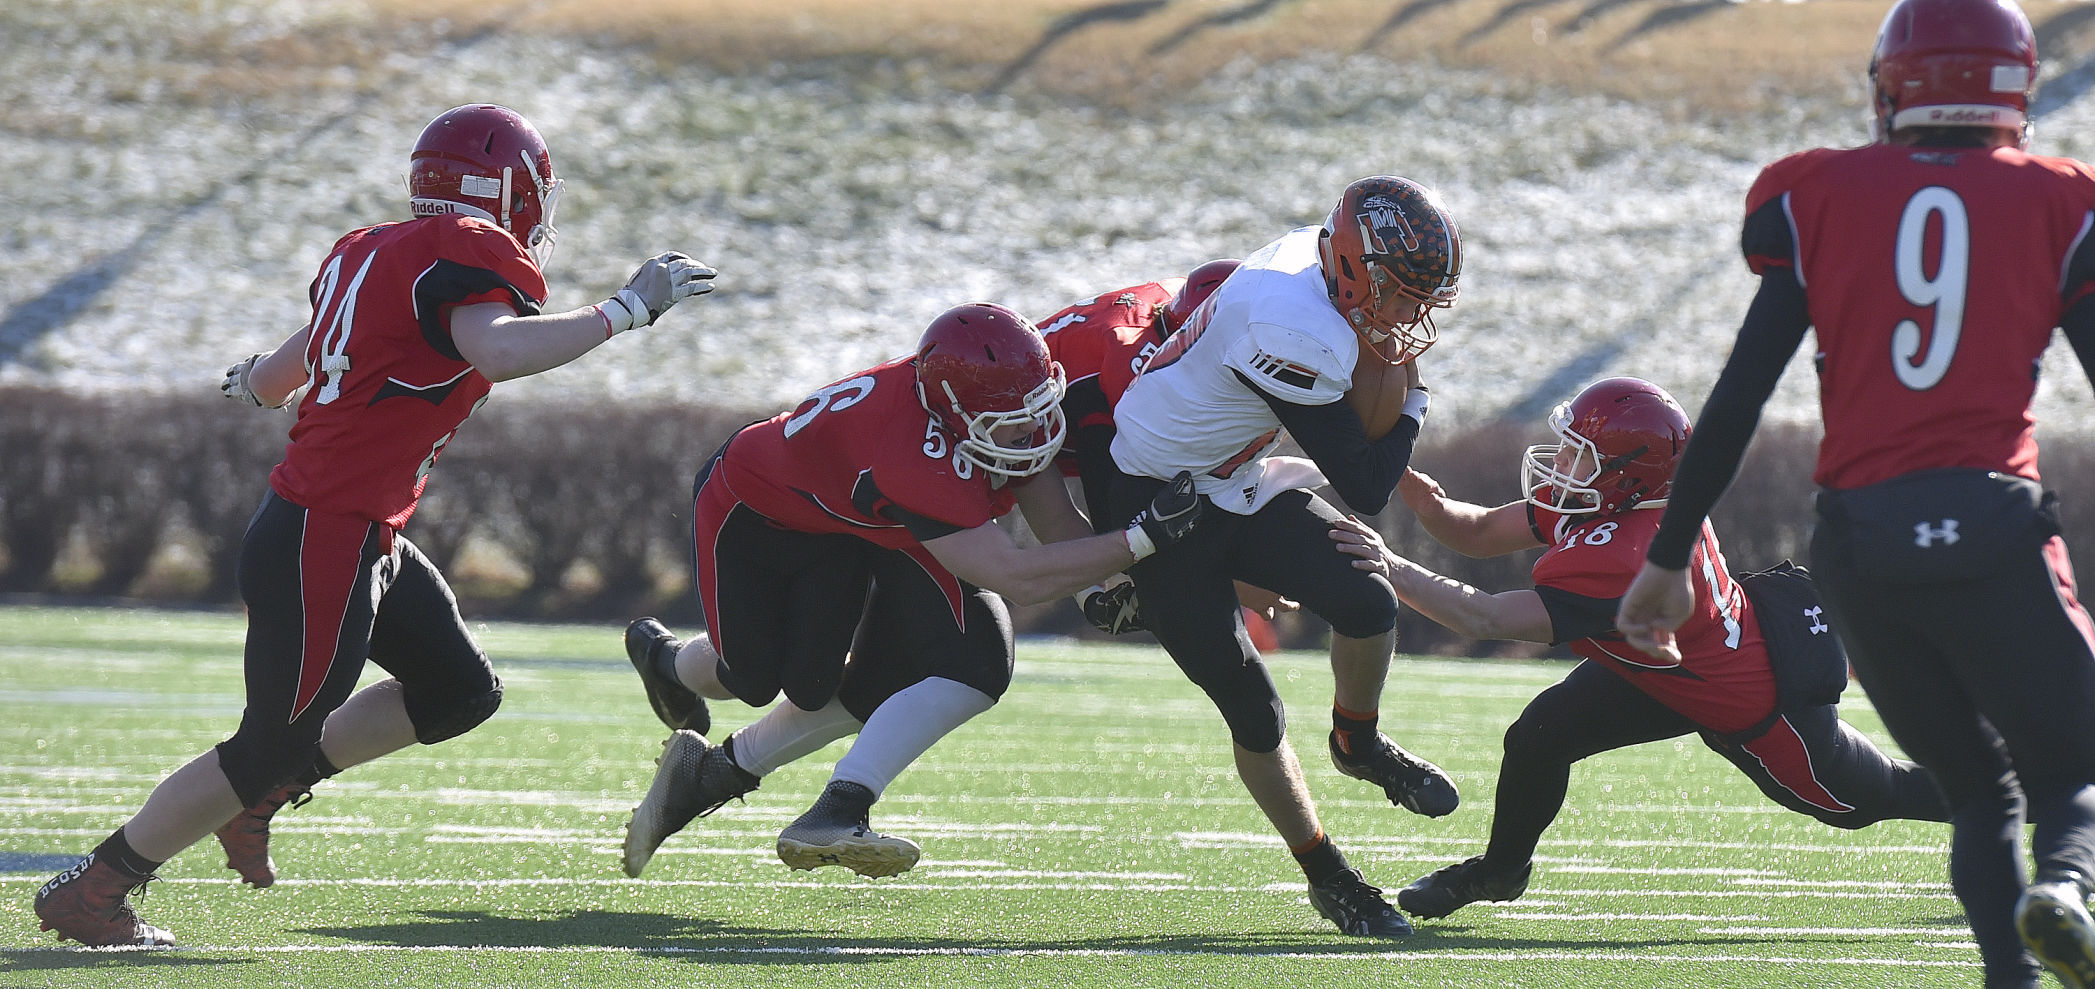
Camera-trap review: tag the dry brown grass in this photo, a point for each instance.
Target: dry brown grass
(1707, 52)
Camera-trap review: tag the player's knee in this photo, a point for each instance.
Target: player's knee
(439, 715)
(1367, 609)
(1529, 739)
(1257, 725)
(256, 766)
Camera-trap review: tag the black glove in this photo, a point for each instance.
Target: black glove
(1170, 515)
(1114, 611)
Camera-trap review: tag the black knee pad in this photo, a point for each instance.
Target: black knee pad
(1251, 707)
(443, 715)
(1368, 610)
(256, 766)
(1528, 738)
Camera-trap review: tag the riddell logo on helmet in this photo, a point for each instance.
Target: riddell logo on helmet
(1965, 115)
(1381, 216)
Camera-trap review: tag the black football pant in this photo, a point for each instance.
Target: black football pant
(1593, 710)
(1990, 683)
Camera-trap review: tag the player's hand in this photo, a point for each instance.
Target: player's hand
(1170, 515)
(1657, 602)
(1113, 610)
(662, 281)
(238, 384)
(1264, 603)
(1356, 538)
(1420, 492)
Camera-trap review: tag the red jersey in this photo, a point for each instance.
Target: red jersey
(1101, 344)
(388, 388)
(1935, 277)
(1725, 679)
(860, 456)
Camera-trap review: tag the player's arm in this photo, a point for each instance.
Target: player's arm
(986, 556)
(1469, 529)
(1363, 472)
(269, 380)
(1465, 610)
(503, 345)
(1044, 500)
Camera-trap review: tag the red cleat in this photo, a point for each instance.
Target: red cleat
(246, 837)
(88, 903)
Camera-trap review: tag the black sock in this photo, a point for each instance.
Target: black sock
(1354, 734)
(320, 769)
(1322, 861)
(663, 654)
(116, 850)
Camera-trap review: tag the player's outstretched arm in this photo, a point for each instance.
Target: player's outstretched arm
(504, 345)
(986, 556)
(269, 380)
(1468, 529)
(1461, 608)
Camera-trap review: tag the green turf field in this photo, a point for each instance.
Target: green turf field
(1087, 832)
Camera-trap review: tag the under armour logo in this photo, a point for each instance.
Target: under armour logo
(1925, 535)
(1817, 626)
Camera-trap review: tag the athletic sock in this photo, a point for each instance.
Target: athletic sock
(1353, 728)
(1319, 858)
(116, 850)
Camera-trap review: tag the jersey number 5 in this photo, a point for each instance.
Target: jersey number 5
(1944, 291)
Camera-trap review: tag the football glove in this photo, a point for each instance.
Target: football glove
(1170, 515)
(1114, 610)
(238, 387)
(662, 281)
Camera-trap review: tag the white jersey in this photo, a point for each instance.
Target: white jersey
(1273, 322)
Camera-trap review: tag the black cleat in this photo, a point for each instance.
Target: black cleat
(693, 778)
(2052, 917)
(1453, 887)
(1357, 908)
(837, 831)
(1409, 781)
(653, 652)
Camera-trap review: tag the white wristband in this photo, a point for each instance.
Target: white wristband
(622, 312)
(1139, 542)
(1415, 402)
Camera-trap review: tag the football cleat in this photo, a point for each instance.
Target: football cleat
(89, 903)
(836, 831)
(1409, 781)
(2053, 919)
(245, 838)
(1453, 887)
(693, 778)
(1346, 899)
(653, 651)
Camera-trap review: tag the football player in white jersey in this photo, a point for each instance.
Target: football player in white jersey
(1275, 348)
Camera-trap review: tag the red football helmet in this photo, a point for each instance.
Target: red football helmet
(984, 373)
(487, 161)
(1391, 256)
(1618, 442)
(1201, 282)
(1954, 63)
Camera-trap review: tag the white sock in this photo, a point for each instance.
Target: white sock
(904, 727)
(786, 733)
(698, 667)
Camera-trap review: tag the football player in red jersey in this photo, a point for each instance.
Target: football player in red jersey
(1933, 266)
(1758, 683)
(848, 556)
(412, 322)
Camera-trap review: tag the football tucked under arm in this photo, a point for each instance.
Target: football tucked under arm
(1382, 392)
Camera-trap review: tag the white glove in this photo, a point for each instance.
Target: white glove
(236, 385)
(661, 282)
